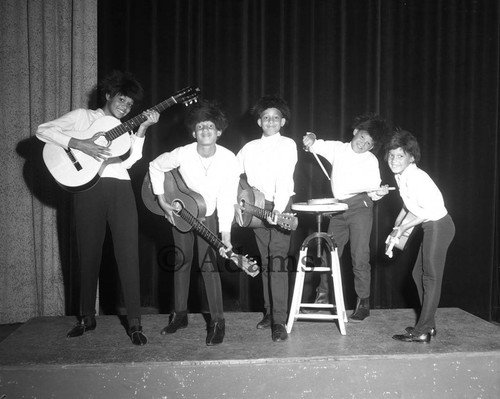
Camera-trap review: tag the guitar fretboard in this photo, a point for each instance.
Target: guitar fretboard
(135, 122)
(201, 229)
(256, 211)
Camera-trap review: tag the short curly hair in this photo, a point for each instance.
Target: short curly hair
(118, 82)
(206, 110)
(271, 101)
(374, 124)
(406, 141)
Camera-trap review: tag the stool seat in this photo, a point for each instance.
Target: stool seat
(305, 265)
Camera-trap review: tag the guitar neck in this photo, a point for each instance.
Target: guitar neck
(136, 121)
(261, 213)
(201, 229)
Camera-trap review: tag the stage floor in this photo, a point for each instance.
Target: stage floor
(41, 345)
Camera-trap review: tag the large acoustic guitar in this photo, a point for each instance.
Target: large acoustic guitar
(190, 208)
(76, 171)
(251, 204)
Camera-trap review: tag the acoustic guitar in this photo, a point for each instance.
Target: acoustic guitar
(251, 203)
(76, 171)
(190, 208)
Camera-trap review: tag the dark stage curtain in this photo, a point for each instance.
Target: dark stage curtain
(429, 66)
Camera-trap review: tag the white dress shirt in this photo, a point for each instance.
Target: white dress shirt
(269, 163)
(215, 178)
(351, 172)
(420, 194)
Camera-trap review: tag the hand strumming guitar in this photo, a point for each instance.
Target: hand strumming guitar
(90, 147)
(167, 208)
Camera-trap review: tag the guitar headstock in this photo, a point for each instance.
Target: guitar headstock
(188, 95)
(249, 266)
(287, 221)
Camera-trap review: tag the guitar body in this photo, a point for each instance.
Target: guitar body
(404, 237)
(251, 203)
(192, 208)
(253, 197)
(80, 171)
(403, 240)
(176, 190)
(76, 171)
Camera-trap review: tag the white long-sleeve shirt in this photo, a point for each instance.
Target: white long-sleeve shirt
(351, 172)
(60, 131)
(269, 163)
(215, 179)
(420, 194)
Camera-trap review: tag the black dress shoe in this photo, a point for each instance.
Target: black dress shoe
(279, 333)
(179, 320)
(265, 322)
(432, 331)
(216, 332)
(136, 335)
(86, 323)
(362, 310)
(408, 337)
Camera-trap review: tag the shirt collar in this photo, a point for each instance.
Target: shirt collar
(271, 138)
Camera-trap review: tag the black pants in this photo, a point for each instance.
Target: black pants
(274, 244)
(354, 226)
(110, 201)
(207, 258)
(429, 269)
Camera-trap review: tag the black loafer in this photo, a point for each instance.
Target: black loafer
(86, 323)
(408, 337)
(432, 331)
(137, 336)
(279, 333)
(179, 320)
(216, 332)
(265, 322)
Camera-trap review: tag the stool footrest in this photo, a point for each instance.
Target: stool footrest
(318, 316)
(317, 305)
(316, 269)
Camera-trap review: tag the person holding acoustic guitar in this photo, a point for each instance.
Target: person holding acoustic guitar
(110, 201)
(422, 200)
(269, 164)
(355, 180)
(210, 170)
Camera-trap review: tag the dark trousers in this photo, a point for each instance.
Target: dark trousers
(207, 259)
(274, 244)
(110, 201)
(354, 225)
(429, 268)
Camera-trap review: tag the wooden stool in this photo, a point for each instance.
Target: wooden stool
(307, 265)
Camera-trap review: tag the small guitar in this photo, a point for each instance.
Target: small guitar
(190, 208)
(76, 171)
(400, 243)
(251, 203)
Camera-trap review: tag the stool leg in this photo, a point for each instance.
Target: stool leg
(297, 291)
(339, 295)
